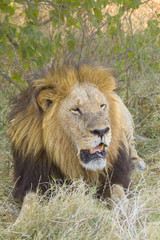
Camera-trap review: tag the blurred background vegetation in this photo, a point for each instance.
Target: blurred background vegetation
(122, 34)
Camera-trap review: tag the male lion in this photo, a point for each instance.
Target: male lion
(69, 124)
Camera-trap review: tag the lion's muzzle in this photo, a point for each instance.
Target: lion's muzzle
(94, 159)
(100, 132)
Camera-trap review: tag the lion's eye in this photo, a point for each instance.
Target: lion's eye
(103, 106)
(76, 111)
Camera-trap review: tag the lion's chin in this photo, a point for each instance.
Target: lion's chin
(93, 160)
(97, 164)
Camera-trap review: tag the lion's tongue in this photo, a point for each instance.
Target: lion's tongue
(99, 148)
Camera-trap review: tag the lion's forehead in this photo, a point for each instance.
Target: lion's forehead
(85, 93)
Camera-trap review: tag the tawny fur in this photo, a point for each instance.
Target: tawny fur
(40, 129)
(136, 161)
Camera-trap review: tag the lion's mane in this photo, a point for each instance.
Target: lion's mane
(41, 157)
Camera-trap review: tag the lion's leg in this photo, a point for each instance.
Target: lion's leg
(114, 192)
(117, 193)
(119, 175)
(120, 202)
(30, 203)
(136, 161)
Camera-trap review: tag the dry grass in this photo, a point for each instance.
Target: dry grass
(77, 215)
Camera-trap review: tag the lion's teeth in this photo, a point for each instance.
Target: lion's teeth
(99, 148)
(92, 151)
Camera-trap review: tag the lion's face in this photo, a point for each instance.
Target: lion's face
(85, 116)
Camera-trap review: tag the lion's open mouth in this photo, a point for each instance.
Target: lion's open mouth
(95, 158)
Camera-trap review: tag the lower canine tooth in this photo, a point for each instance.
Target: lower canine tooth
(102, 147)
(92, 151)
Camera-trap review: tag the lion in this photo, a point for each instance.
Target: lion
(70, 124)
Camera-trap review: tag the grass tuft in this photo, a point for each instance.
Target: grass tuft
(73, 214)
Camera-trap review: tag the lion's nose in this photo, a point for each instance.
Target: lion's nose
(100, 132)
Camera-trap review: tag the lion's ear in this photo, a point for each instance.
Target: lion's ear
(45, 99)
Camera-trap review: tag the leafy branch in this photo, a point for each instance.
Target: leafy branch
(8, 78)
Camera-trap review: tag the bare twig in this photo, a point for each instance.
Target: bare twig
(29, 11)
(130, 22)
(11, 41)
(149, 115)
(122, 39)
(8, 78)
(3, 123)
(30, 4)
(153, 94)
(9, 38)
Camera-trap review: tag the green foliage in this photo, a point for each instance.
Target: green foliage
(25, 33)
(32, 32)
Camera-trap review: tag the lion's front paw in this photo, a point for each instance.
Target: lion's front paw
(119, 199)
(30, 203)
(117, 193)
(138, 163)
